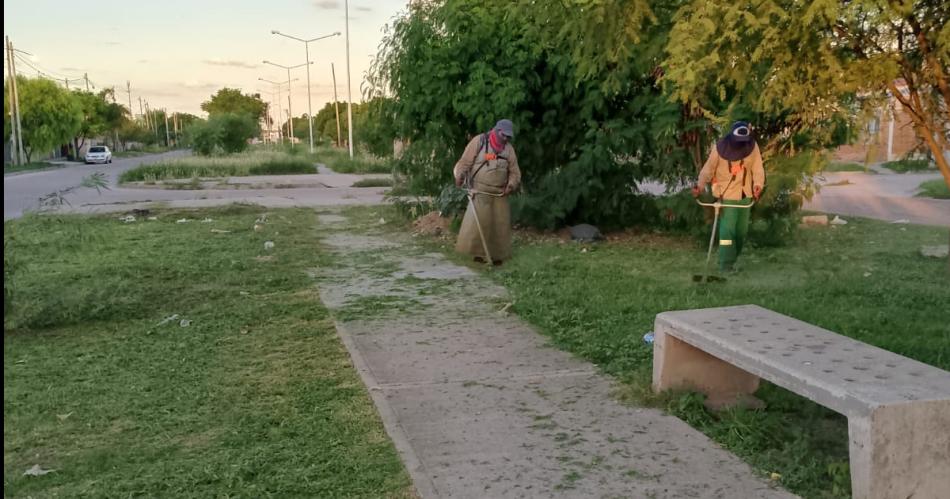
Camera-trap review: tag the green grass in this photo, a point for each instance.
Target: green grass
(865, 280)
(255, 162)
(339, 161)
(255, 398)
(373, 182)
(133, 153)
(847, 167)
(909, 165)
(936, 188)
(28, 167)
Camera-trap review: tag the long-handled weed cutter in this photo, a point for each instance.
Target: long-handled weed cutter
(469, 186)
(717, 207)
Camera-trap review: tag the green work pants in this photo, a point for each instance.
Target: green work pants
(733, 229)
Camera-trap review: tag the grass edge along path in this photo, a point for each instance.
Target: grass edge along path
(252, 395)
(865, 280)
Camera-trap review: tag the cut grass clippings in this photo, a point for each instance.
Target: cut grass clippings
(253, 396)
(257, 162)
(865, 280)
(936, 188)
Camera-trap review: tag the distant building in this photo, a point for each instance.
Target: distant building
(888, 136)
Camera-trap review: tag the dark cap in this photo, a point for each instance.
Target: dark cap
(506, 127)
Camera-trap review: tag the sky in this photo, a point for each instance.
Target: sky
(177, 53)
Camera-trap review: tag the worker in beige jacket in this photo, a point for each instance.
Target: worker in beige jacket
(488, 169)
(735, 169)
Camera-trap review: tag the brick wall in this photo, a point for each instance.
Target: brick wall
(871, 146)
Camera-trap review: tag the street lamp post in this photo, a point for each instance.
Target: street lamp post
(349, 89)
(306, 44)
(290, 111)
(280, 126)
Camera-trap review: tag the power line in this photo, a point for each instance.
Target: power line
(43, 72)
(39, 67)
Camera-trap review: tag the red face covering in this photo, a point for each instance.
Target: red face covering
(495, 142)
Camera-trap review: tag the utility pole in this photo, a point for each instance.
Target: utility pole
(86, 77)
(168, 142)
(21, 153)
(290, 119)
(349, 88)
(128, 90)
(66, 81)
(141, 113)
(13, 125)
(336, 103)
(115, 131)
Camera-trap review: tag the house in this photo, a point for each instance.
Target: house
(889, 136)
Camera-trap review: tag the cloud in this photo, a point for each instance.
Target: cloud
(143, 61)
(231, 64)
(364, 9)
(201, 86)
(327, 4)
(71, 70)
(112, 43)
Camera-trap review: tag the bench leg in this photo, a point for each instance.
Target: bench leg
(679, 365)
(901, 451)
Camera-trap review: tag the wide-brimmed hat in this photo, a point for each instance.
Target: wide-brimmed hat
(738, 143)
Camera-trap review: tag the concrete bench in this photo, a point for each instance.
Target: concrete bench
(898, 409)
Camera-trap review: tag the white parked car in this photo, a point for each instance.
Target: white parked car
(98, 154)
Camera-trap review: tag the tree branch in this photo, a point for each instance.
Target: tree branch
(928, 56)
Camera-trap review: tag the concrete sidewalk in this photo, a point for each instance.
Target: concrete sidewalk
(479, 406)
(883, 196)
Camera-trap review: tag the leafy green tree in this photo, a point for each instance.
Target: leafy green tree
(51, 116)
(7, 130)
(374, 126)
(135, 131)
(818, 62)
(94, 122)
(324, 122)
(233, 101)
(590, 121)
(221, 133)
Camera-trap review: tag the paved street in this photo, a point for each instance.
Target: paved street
(886, 197)
(22, 191)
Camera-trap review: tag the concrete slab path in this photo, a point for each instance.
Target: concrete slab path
(480, 406)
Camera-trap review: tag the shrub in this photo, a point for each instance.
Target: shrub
(222, 133)
(236, 165)
(936, 188)
(908, 165)
(452, 201)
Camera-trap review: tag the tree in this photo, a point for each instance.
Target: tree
(233, 101)
(324, 122)
(374, 122)
(134, 131)
(820, 60)
(221, 133)
(94, 122)
(591, 118)
(51, 116)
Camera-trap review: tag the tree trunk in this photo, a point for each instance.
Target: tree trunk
(938, 153)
